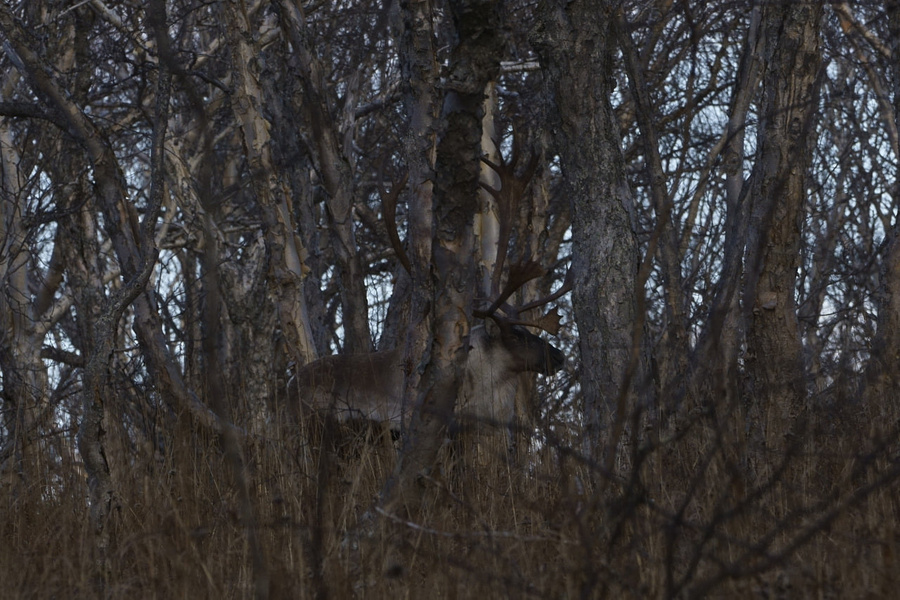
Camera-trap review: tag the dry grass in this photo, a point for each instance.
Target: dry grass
(693, 513)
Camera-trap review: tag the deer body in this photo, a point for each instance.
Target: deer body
(370, 386)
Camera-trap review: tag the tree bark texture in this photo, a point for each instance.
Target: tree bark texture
(778, 194)
(577, 46)
(421, 98)
(285, 262)
(334, 169)
(474, 61)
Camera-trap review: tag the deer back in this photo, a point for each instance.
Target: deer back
(354, 386)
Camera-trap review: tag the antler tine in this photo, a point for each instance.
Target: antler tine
(512, 189)
(568, 284)
(549, 322)
(519, 275)
(506, 170)
(389, 209)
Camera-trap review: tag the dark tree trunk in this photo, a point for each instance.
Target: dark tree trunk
(419, 64)
(576, 42)
(778, 195)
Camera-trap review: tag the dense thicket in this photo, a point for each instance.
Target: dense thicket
(196, 198)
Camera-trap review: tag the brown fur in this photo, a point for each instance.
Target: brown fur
(370, 386)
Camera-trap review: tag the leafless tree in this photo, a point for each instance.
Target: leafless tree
(200, 198)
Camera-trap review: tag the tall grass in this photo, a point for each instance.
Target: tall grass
(693, 508)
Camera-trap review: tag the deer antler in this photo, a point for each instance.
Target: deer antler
(549, 322)
(564, 289)
(389, 209)
(512, 189)
(519, 275)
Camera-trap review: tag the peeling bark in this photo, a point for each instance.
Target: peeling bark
(285, 263)
(335, 170)
(474, 61)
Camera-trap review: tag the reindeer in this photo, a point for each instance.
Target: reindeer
(369, 386)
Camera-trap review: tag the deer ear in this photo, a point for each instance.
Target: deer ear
(492, 328)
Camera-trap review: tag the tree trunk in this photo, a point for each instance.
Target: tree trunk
(717, 374)
(421, 72)
(883, 371)
(474, 61)
(286, 265)
(778, 193)
(337, 179)
(25, 383)
(576, 42)
(674, 346)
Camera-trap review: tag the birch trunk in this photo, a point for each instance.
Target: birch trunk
(474, 61)
(285, 264)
